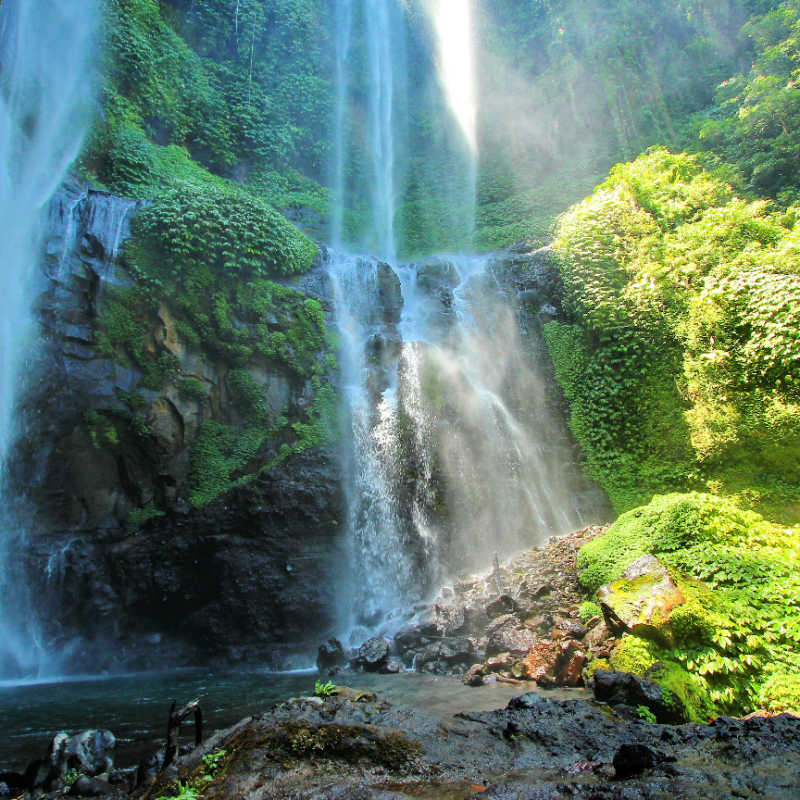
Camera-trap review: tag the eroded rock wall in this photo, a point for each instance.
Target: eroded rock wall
(129, 569)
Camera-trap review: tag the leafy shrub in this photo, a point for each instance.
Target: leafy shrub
(740, 576)
(682, 361)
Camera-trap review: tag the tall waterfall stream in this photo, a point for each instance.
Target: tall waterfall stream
(45, 88)
(452, 451)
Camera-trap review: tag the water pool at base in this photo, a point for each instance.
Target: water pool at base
(135, 707)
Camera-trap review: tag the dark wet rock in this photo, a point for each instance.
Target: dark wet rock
(632, 759)
(474, 676)
(436, 274)
(501, 606)
(390, 294)
(90, 752)
(372, 655)
(623, 688)
(247, 577)
(351, 746)
(331, 654)
(85, 786)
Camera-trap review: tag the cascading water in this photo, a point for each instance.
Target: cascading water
(45, 96)
(453, 453)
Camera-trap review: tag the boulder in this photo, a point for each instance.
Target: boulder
(474, 676)
(91, 752)
(552, 663)
(501, 606)
(500, 662)
(623, 688)
(393, 666)
(330, 654)
(372, 655)
(506, 633)
(641, 601)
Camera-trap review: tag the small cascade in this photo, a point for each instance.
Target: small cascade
(45, 98)
(367, 301)
(455, 452)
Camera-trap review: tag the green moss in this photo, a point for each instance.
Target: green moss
(740, 576)
(588, 610)
(635, 655)
(141, 515)
(193, 388)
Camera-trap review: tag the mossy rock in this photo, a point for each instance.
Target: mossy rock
(739, 624)
(642, 600)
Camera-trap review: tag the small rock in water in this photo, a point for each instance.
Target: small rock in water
(474, 676)
(392, 667)
(633, 759)
(331, 654)
(373, 654)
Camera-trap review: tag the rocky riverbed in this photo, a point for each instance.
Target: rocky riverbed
(526, 619)
(354, 745)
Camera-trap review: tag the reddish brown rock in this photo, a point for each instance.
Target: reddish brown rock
(540, 660)
(570, 663)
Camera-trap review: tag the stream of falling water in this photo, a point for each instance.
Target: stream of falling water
(45, 89)
(453, 453)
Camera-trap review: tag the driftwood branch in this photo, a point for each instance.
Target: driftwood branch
(174, 728)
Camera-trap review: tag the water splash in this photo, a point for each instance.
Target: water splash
(45, 96)
(455, 452)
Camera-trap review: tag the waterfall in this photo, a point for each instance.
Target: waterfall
(453, 24)
(344, 28)
(452, 451)
(382, 36)
(45, 96)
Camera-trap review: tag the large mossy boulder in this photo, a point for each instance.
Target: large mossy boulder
(642, 600)
(730, 645)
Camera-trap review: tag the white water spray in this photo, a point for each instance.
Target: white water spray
(451, 452)
(45, 97)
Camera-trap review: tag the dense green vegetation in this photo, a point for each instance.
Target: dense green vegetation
(680, 359)
(215, 111)
(213, 88)
(576, 86)
(681, 355)
(734, 642)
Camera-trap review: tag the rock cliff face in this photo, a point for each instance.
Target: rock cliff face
(108, 461)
